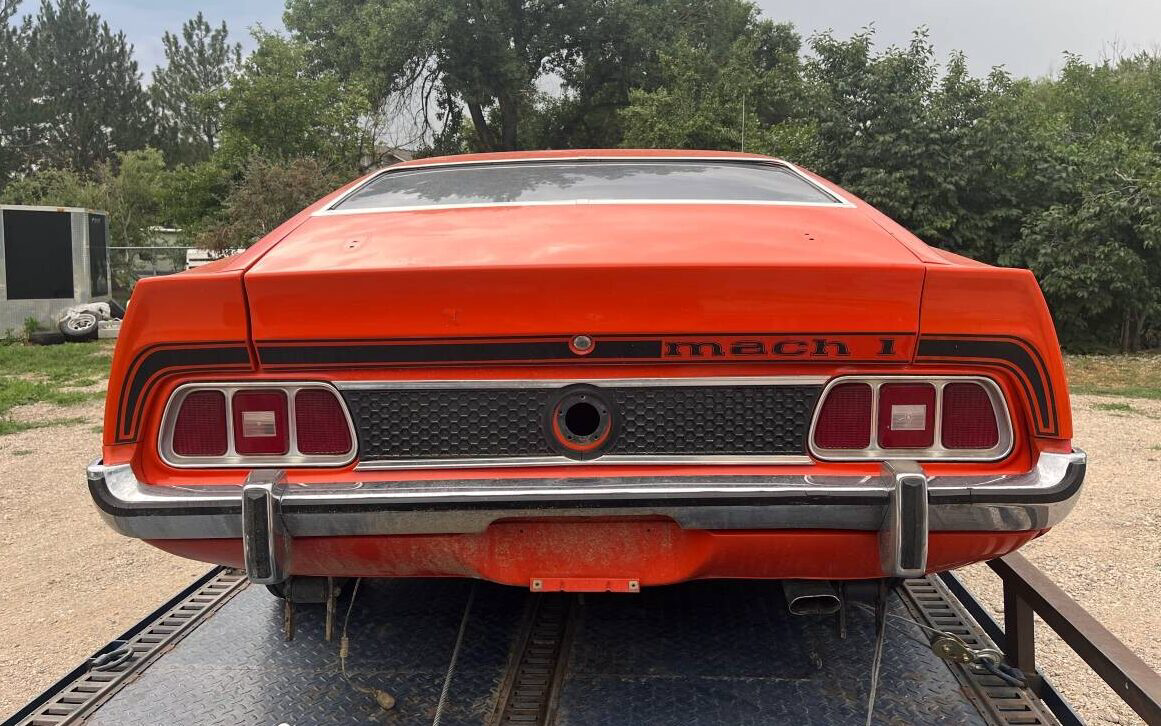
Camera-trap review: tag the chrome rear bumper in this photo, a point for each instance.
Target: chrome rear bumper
(1035, 500)
(902, 502)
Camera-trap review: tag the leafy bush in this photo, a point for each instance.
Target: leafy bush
(267, 194)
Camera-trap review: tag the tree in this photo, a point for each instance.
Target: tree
(1099, 259)
(131, 187)
(872, 130)
(186, 92)
(279, 109)
(710, 93)
(193, 194)
(53, 188)
(1057, 174)
(484, 57)
(133, 192)
(14, 89)
(89, 103)
(268, 193)
(961, 161)
(486, 66)
(1096, 246)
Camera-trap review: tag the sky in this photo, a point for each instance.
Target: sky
(1028, 37)
(145, 21)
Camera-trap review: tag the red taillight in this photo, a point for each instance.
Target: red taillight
(320, 423)
(969, 421)
(200, 427)
(257, 424)
(260, 423)
(957, 418)
(906, 415)
(845, 419)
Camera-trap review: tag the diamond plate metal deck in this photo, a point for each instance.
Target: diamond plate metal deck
(700, 653)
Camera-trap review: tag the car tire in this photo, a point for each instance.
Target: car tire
(45, 337)
(82, 326)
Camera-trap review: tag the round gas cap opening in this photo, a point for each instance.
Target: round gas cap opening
(582, 419)
(580, 423)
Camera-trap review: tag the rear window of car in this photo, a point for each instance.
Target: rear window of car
(600, 181)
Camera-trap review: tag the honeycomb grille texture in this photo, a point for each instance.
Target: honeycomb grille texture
(507, 422)
(714, 419)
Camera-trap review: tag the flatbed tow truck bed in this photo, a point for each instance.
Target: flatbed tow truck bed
(466, 652)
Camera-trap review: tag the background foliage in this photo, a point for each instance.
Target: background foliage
(1058, 174)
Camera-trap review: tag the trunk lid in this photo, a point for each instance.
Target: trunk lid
(601, 270)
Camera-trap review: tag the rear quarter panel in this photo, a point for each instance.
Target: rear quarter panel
(996, 318)
(180, 324)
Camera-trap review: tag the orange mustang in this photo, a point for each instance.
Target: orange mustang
(589, 370)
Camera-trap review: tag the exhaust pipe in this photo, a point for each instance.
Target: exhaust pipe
(811, 597)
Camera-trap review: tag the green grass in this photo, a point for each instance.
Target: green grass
(70, 364)
(16, 392)
(1132, 376)
(47, 374)
(14, 427)
(1122, 407)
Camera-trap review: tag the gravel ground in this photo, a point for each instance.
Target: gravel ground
(1107, 554)
(71, 584)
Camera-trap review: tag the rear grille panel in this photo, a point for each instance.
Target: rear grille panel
(496, 423)
(713, 420)
(449, 423)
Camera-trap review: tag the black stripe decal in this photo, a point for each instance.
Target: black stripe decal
(617, 336)
(1012, 355)
(167, 360)
(412, 351)
(474, 352)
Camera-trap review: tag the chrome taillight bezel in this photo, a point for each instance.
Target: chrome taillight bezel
(232, 459)
(1004, 444)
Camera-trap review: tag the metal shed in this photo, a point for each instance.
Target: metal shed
(50, 258)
